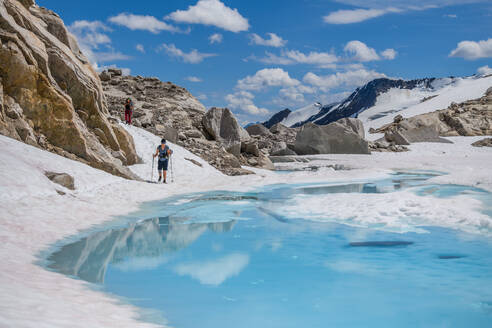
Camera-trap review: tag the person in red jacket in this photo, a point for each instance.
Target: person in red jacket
(128, 111)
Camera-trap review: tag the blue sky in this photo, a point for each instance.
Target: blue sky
(258, 57)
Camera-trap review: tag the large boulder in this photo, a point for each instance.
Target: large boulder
(354, 124)
(283, 133)
(279, 128)
(222, 126)
(417, 129)
(250, 147)
(167, 132)
(280, 149)
(334, 138)
(63, 179)
(52, 97)
(414, 134)
(264, 162)
(257, 130)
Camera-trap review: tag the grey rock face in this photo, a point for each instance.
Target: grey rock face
(487, 142)
(265, 162)
(63, 179)
(223, 127)
(168, 133)
(383, 145)
(281, 149)
(408, 133)
(105, 76)
(334, 138)
(250, 147)
(51, 97)
(279, 128)
(279, 145)
(354, 124)
(257, 130)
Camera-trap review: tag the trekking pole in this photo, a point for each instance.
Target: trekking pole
(152, 174)
(172, 170)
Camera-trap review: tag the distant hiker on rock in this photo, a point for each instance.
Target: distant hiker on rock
(128, 111)
(164, 152)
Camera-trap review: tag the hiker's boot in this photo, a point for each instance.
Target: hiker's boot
(159, 179)
(164, 181)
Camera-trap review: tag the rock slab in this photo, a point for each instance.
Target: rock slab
(222, 126)
(334, 138)
(63, 179)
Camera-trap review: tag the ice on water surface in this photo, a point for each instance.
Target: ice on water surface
(301, 255)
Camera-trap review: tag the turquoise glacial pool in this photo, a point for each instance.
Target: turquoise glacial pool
(224, 259)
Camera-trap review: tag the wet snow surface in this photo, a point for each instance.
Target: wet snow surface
(292, 255)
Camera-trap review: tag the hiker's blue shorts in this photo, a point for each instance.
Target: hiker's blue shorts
(162, 165)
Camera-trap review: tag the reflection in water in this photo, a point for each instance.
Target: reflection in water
(277, 270)
(390, 243)
(150, 243)
(137, 246)
(214, 272)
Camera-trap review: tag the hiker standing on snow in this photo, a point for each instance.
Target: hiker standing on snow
(128, 111)
(164, 152)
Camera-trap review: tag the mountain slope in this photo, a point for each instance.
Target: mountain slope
(277, 118)
(378, 101)
(418, 102)
(301, 115)
(366, 97)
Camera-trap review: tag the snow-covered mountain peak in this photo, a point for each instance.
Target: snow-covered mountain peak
(379, 100)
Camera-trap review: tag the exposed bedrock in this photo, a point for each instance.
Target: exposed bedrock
(50, 97)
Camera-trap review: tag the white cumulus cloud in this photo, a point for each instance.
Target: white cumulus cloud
(294, 94)
(140, 48)
(389, 54)
(142, 22)
(212, 12)
(267, 77)
(243, 100)
(484, 70)
(108, 56)
(215, 38)
(421, 4)
(94, 42)
(214, 272)
(273, 40)
(290, 57)
(356, 15)
(352, 78)
(193, 79)
(313, 57)
(192, 57)
(360, 51)
(473, 50)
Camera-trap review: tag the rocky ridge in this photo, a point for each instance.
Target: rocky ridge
(50, 96)
(170, 111)
(469, 118)
(215, 135)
